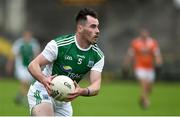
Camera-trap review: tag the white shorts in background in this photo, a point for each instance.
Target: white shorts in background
(142, 73)
(23, 74)
(40, 95)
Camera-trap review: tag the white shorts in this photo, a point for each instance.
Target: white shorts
(142, 73)
(39, 95)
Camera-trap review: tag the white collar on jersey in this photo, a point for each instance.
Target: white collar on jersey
(82, 49)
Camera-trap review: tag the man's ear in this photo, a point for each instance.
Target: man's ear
(79, 28)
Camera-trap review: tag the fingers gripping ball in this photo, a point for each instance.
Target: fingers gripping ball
(61, 87)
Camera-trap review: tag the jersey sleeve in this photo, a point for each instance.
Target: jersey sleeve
(99, 65)
(16, 47)
(36, 47)
(50, 51)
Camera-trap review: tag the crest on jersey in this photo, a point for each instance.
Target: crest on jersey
(66, 68)
(67, 57)
(90, 63)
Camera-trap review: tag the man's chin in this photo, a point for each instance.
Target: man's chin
(94, 42)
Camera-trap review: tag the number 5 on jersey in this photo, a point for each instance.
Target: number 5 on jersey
(79, 61)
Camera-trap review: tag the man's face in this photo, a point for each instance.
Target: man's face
(27, 36)
(144, 34)
(90, 30)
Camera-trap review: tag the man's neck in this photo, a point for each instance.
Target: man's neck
(81, 41)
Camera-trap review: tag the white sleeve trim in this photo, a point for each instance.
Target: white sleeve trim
(99, 65)
(51, 50)
(16, 46)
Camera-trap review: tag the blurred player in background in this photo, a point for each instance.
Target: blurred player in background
(70, 55)
(24, 49)
(145, 55)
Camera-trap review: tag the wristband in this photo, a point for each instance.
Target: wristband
(88, 91)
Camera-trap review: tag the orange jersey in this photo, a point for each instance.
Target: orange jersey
(144, 51)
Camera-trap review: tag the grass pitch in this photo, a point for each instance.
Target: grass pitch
(120, 99)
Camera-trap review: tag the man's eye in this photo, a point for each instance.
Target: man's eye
(93, 26)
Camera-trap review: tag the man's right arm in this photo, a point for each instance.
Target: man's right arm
(35, 70)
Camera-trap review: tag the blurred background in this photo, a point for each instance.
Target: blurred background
(120, 21)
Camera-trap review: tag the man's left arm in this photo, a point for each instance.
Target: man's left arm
(95, 78)
(158, 61)
(157, 57)
(95, 83)
(91, 90)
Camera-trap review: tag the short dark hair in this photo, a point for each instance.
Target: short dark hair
(82, 14)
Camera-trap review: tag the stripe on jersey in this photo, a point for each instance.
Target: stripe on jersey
(100, 53)
(65, 39)
(65, 42)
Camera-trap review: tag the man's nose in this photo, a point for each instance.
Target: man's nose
(97, 31)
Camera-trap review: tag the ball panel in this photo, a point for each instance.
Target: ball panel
(62, 86)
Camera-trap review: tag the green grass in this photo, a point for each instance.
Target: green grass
(120, 98)
(8, 89)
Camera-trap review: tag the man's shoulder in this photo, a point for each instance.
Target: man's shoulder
(18, 42)
(97, 50)
(154, 40)
(64, 39)
(134, 41)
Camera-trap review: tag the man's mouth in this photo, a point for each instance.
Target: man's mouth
(96, 36)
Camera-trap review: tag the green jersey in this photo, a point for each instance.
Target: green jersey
(69, 59)
(25, 51)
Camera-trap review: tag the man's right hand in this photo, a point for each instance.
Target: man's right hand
(47, 83)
